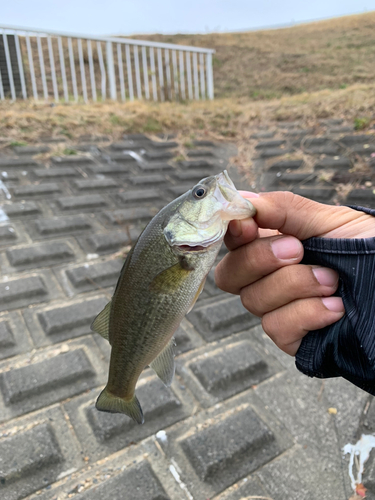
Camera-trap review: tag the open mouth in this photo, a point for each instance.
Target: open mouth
(188, 248)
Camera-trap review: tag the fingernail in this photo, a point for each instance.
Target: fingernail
(325, 276)
(248, 194)
(334, 304)
(235, 228)
(286, 247)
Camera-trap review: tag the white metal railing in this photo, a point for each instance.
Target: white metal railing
(75, 67)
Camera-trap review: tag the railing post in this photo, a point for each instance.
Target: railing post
(111, 72)
(210, 77)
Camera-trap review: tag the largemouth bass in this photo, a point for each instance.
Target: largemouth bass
(161, 279)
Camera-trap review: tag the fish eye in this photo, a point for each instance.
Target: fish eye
(199, 192)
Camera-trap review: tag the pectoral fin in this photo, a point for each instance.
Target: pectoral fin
(101, 322)
(163, 364)
(169, 280)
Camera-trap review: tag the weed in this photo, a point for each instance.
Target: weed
(115, 120)
(152, 125)
(361, 123)
(18, 143)
(179, 158)
(69, 151)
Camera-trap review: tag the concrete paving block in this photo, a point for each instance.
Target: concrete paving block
(249, 488)
(192, 175)
(337, 162)
(137, 195)
(71, 160)
(221, 318)
(225, 368)
(9, 176)
(14, 338)
(35, 453)
(263, 135)
(111, 169)
(58, 323)
(285, 165)
(41, 190)
(147, 180)
(53, 376)
(270, 144)
(109, 242)
(8, 234)
(120, 157)
(163, 144)
(130, 215)
(53, 173)
(341, 130)
(328, 149)
(85, 202)
(330, 122)
(195, 164)
(204, 143)
(292, 179)
(158, 155)
(40, 255)
(88, 277)
(217, 459)
(61, 226)
(364, 197)
(363, 149)
(21, 209)
(271, 152)
(155, 167)
(298, 133)
(350, 140)
(220, 446)
(95, 184)
(10, 162)
(20, 292)
(103, 433)
(228, 369)
(31, 150)
(180, 189)
(196, 153)
(139, 480)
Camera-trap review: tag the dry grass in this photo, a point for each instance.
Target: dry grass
(222, 119)
(268, 64)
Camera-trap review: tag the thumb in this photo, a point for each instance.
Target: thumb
(304, 218)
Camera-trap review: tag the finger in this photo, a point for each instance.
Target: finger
(250, 262)
(286, 285)
(304, 218)
(240, 232)
(288, 325)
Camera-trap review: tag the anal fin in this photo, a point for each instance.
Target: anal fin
(163, 364)
(101, 322)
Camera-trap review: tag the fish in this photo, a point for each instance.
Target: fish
(161, 279)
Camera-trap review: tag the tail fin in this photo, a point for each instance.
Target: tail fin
(113, 404)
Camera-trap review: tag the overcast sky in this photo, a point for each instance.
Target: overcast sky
(170, 16)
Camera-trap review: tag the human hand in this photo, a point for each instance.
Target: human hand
(263, 264)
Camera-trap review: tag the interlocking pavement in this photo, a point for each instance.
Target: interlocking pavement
(239, 420)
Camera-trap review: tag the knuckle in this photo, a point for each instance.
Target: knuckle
(252, 301)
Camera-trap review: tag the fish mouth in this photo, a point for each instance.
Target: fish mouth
(188, 248)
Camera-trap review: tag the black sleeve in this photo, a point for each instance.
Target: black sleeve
(346, 348)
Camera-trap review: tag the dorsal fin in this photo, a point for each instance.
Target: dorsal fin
(101, 322)
(163, 364)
